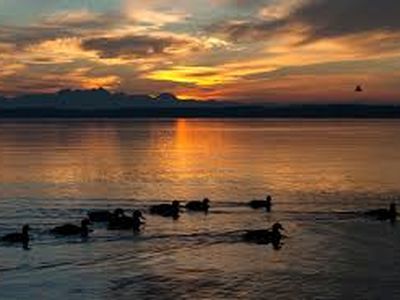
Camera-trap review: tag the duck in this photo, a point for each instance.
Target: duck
(383, 214)
(137, 218)
(118, 220)
(256, 204)
(166, 210)
(18, 237)
(265, 236)
(102, 216)
(123, 222)
(71, 229)
(198, 205)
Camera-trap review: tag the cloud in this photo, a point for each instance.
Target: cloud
(23, 36)
(370, 66)
(137, 45)
(279, 9)
(247, 31)
(34, 79)
(326, 18)
(317, 19)
(57, 51)
(85, 20)
(67, 24)
(157, 19)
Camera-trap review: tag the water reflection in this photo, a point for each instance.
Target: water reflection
(193, 159)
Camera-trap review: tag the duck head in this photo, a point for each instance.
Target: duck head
(206, 201)
(277, 227)
(25, 229)
(392, 208)
(85, 223)
(176, 204)
(269, 198)
(137, 214)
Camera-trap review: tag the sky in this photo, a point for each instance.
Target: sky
(244, 50)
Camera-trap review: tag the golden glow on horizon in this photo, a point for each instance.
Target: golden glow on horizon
(109, 82)
(201, 76)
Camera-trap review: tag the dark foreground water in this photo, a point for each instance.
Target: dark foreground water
(318, 172)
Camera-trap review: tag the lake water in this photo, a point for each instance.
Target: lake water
(318, 172)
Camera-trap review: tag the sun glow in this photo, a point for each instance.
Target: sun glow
(200, 76)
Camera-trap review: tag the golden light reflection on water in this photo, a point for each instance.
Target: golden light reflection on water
(223, 159)
(201, 255)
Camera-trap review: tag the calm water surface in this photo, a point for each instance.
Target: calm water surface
(318, 172)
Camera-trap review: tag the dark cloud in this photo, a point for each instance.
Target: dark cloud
(243, 4)
(323, 19)
(132, 46)
(327, 18)
(248, 30)
(60, 26)
(24, 36)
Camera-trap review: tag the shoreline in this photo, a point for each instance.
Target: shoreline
(280, 112)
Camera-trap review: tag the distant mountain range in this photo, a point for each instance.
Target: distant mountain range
(99, 99)
(100, 103)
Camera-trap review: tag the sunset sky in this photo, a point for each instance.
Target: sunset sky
(245, 50)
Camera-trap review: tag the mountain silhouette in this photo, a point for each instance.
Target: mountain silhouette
(99, 103)
(95, 99)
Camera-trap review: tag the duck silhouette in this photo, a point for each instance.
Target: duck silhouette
(123, 222)
(102, 216)
(166, 210)
(137, 220)
(358, 89)
(256, 204)
(198, 205)
(383, 214)
(71, 229)
(119, 221)
(18, 237)
(265, 236)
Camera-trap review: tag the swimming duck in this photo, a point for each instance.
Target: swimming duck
(123, 222)
(267, 203)
(118, 220)
(383, 214)
(265, 236)
(18, 237)
(166, 210)
(99, 215)
(137, 218)
(198, 205)
(103, 215)
(70, 229)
